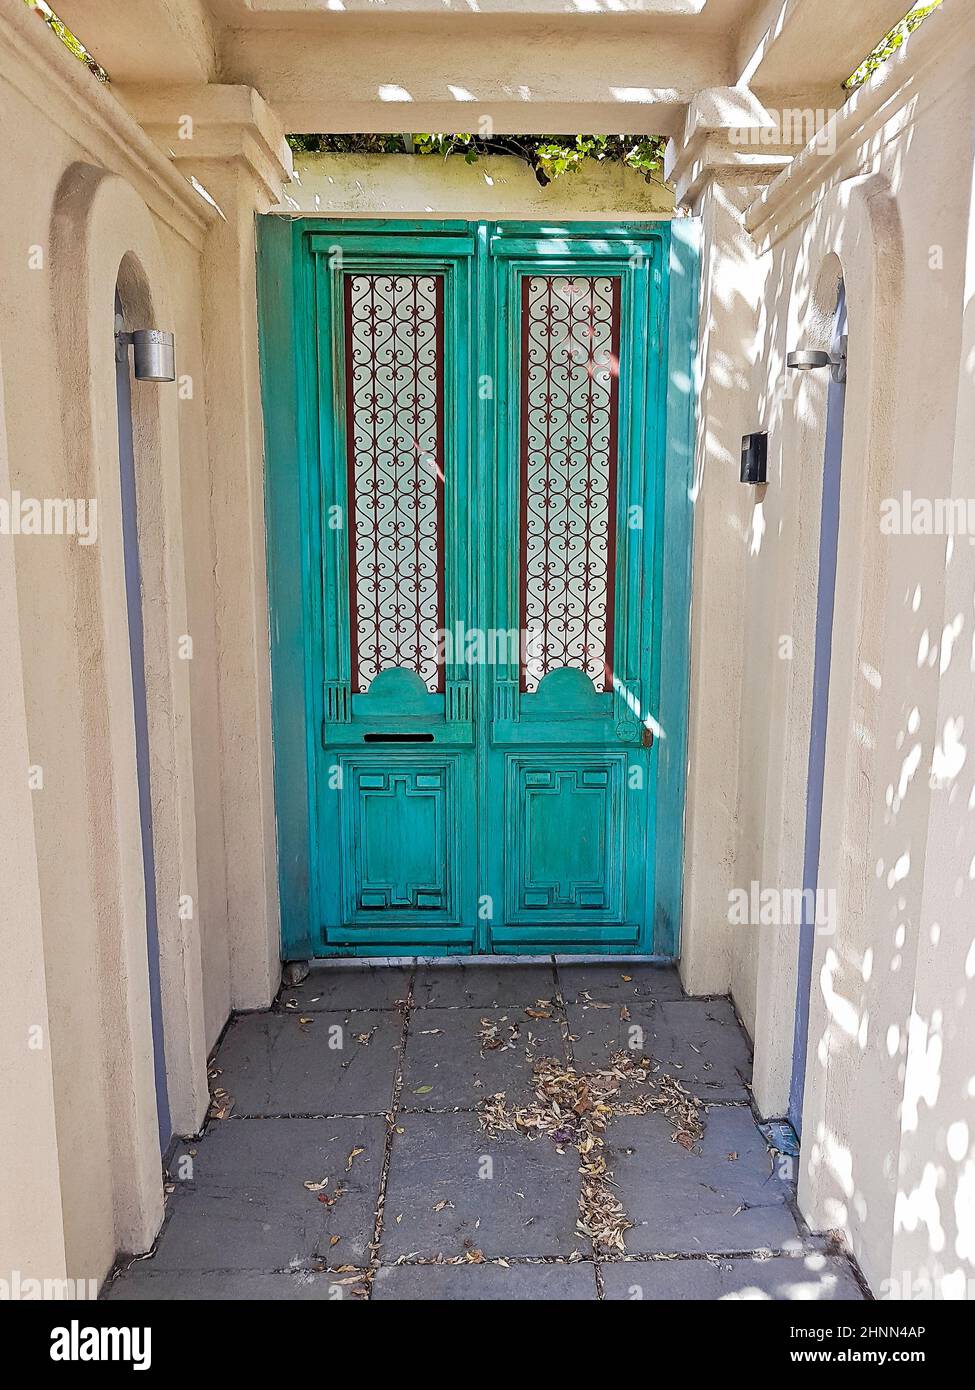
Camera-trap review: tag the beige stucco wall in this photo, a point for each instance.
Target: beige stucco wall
(27, 1131)
(96, 206)
(495, 186)
(888, 1119)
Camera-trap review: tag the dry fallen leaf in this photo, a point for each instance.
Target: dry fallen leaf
(351, 1159)
(573, 1109)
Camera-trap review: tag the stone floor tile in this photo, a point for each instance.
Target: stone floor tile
(338, 985)
(782, 1278)
(698, 1041)
(723, 1196)
(245, 1207)
(273, 1064)
(618, 982)
(293, 1285)
(482, 984)
(554, 1283)
(444, 1053)
(507, 1196)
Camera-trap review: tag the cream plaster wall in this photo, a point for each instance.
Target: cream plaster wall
(888, 1120)
(497, 186)
(28, 1136)
(99, 205)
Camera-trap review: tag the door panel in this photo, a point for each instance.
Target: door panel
(480, 526)
(564, 856)
(396, 835)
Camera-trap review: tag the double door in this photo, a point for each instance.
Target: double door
(483, 480)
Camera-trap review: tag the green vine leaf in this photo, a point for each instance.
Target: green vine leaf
(549, 157)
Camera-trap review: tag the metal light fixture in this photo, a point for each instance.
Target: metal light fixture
(811, 359)
(153, 354)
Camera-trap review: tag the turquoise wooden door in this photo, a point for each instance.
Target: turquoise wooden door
(472, 527)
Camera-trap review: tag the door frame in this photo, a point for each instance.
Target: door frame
(290, 376)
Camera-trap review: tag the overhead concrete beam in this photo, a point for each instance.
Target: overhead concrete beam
(805, 45)
(513, 77)
(146, 40)
(291, 9)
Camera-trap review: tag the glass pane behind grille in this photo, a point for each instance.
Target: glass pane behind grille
(569, 411)
(394, 389)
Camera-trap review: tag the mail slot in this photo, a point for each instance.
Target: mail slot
(397, 738)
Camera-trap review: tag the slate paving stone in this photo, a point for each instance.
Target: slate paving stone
(827, 1278)
(242, 1225)
(722, 1197)
(246, 1207)
(344, 987)
(561, 1283)
(273, 1064)
(482, 985)
(698, 1041)
(443, 1052)
(508, 1196)
(293, 1285)
(607, 982)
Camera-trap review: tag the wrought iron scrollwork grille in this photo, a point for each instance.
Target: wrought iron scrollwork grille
(570, 334)
(395, 427)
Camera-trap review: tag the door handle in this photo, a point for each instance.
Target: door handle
(646, 736)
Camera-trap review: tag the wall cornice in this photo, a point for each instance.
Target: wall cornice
(940, 53)
(63, 91)
(229, 124)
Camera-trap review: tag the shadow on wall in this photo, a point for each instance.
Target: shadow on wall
(889, 1117)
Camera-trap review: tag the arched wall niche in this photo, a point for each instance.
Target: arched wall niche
(102, 238)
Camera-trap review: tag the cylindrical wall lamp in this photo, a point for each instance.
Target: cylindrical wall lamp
(153, 354)
(812, 359)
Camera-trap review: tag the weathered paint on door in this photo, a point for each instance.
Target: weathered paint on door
(466, 554)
